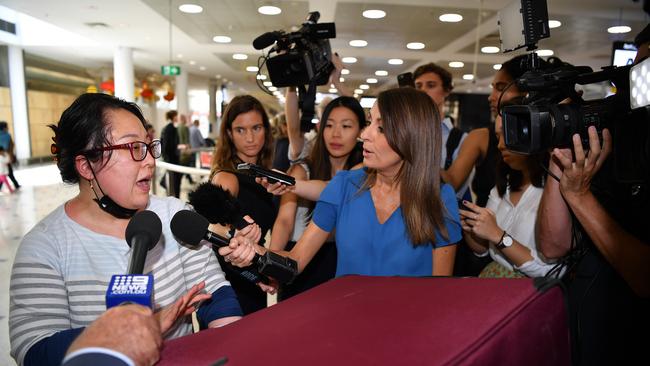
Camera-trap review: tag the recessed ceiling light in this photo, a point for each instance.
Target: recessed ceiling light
(341, 80)
(450, 18)
(261, 77)
(190, 8)
(222, 39)
(619, 29)
(358, 91)
(371, 81)
(395, 61)
(268, 83)
(272, 88)
(490, 49)
(240, 56)
(496, 66)
(374, 14)
(252, 68)
(349, 60)
(358, 43)
(468, 77)
(333, 90)
(276, 92)
(192, 62)
(544, 53)
(202, 68)
(364, 86)
(456, 64)
(269, 10)
(180, 55)
(345, 72)
(554, 23)
(415, 46)
(381, 73)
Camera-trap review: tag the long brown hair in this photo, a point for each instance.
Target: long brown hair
(225, 156)
(411, 124)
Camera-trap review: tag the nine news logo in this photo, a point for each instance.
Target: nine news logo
(130, 285)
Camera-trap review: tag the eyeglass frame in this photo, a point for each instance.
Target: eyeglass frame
(129, 146)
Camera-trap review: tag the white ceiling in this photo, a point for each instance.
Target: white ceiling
(144, 26)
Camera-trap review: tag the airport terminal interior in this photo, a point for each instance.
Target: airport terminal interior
(194, 56)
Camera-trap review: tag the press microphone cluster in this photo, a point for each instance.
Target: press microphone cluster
(190, 227)
(142, 234)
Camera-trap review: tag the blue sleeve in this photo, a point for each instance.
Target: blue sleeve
(96, 359)
(223, 303)
(327, 207)
(452, 217)
(51, 350)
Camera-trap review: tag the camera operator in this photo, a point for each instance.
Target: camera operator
(609, 283)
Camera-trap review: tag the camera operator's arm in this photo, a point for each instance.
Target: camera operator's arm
(335, 76)
(553, 228)
(291, 112)
(626, 253)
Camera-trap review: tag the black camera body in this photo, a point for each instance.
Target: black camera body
(542, 123)
(304, 57)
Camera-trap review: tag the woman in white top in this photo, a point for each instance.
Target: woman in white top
(505, 228)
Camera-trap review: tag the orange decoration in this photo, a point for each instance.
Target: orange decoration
(108, 85)
(169, 96)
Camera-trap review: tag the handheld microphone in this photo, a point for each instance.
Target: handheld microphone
(217, 205)
(190, 228)
(142, 234)
(266, 40)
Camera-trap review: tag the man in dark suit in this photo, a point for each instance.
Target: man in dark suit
(123, 336)
(169, 139)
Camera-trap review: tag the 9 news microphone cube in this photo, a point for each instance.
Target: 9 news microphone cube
(137, 289)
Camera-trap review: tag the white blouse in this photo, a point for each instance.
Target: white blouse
(519, 222)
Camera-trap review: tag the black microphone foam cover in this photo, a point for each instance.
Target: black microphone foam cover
(217, 205)
(189, 227)
(144, 222)
(265, 40)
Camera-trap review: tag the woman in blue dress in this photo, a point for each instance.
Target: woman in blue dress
(393, 217)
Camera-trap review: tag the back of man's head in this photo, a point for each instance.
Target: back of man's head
(3, 126)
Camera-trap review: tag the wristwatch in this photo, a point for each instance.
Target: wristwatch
(505, 242)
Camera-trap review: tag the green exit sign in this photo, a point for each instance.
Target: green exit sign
(170, 70)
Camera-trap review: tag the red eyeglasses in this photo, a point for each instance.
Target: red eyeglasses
(138, 149)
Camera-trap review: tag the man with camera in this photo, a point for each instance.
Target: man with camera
(597, 224)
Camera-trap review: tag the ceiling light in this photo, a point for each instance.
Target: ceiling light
(202, 68)
(252, 68)
(222, 39)
(371, 81)
(261, 77)
(496, 66)
(180, 55)
(619, 29)
(415, 46)
(268, 83)
(364, 86)
(358, 43)
(381, 73)
(395, 61)
(345, 72)
(341, 80)
(349, 60)
(192, 62)
(374, 14)
(358, 91)
(190, 8)
(544, 53)
(456, 64)
(240, 56)
(490, 49)
(333, 90)
(450, 18)
(554, 23)
(269, 10)
(276, 93)
(272, 88)
(468, 77)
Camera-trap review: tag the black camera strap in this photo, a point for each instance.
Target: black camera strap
(307, 105)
